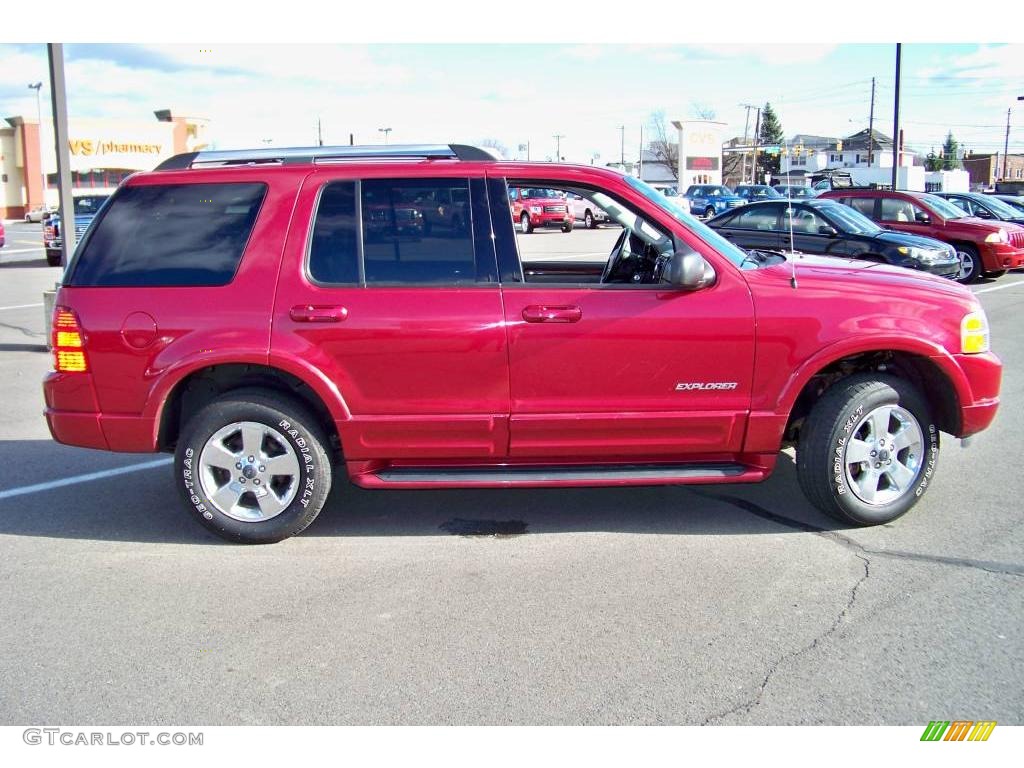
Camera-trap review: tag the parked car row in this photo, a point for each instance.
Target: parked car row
(917, 230)
(709, 200)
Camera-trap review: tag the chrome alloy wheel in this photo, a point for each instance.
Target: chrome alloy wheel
(884, 455)
(249, 471)
(966, 265)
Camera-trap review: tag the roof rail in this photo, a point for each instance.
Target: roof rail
(290, 155)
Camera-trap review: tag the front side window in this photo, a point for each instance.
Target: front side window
(169, 235)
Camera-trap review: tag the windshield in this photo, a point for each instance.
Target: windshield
(716, 191)
(89, 204)
(944, 208)
(849, 220)
(708, 235)
(536, 192)
(766, 192)
(1001, 209)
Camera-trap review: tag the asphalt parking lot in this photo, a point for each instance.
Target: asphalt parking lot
(721, 605)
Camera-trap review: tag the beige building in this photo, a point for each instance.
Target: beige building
(102, 153)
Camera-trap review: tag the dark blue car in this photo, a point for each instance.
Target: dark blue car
(711, 199)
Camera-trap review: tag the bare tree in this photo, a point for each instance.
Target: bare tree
(496, 145)
(702, 110)
(663, 144)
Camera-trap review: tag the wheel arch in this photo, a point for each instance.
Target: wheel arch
(201, 384)
(935, 375)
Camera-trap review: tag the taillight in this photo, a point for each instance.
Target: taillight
(67, 342)
(49, 232)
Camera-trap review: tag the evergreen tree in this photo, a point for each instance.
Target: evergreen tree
(933, 162)
(950, 153)
(771, 135)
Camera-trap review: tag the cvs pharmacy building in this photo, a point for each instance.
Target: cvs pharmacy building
(102, 151)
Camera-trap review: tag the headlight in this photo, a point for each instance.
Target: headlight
(535, 209)
(923, 254)
(999, 236)
(974, 336)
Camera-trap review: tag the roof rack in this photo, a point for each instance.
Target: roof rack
(297, 155)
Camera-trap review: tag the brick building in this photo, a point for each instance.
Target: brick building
(986, 170)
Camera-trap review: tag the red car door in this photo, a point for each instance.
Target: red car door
(628, 370)
(404, 320)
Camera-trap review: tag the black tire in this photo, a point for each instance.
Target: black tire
(709, 212)
(292, 421)
(996, 273)
(524, 221)
(53, 259)
(589, 221)
(972, 263)
(567, 226)
(821, 452)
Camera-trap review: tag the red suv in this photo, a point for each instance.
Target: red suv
(985, 247)
(240, 310)
(534, 207)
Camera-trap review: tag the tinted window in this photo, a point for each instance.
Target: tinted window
(333, 252)
(864, 205)
(805, 221)
(417, 231)
(170, 234)
(764, 217)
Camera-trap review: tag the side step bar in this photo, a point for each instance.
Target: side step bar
(504, 476)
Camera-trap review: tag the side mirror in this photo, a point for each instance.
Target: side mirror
(825, 229)
(922, 218)
(689, 271)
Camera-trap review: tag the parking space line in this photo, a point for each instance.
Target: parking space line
(39, 487)
(4, 252)
(1000, 287)
(22, 306)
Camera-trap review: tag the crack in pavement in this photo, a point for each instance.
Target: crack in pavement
(859, 551)
(1006, 569)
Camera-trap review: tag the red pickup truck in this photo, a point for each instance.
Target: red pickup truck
(238, 310)
(985, 247)
(534, 207)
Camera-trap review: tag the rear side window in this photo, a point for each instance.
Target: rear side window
(417, 232)
(170, 235)
(865, 205)
(334, 251)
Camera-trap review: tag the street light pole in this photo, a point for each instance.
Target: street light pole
(558, 146)
(622, 147)
(38, 87)
(385, 131)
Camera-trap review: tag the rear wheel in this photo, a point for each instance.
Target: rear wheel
(970, 263)
(589, 221)
(524, 222)
(868, 450)
(53, 259)
(253, 466)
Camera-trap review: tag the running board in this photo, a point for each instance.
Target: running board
(556, 475)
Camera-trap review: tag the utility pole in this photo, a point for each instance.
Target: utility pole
(622, 147)
(385, 131)
(37, 87)
(640, 170)
(1006, 144)
(757, 136)
(871, 126)
(58, 97)
(896, 118)
(558, 146)
(746, 138)
(319, 133)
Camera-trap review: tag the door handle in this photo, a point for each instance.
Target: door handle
(542, 313)
(312, 313)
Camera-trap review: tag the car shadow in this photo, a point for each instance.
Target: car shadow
(144, 506)
(14, 262)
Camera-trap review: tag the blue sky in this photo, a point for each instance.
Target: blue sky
(527, 93)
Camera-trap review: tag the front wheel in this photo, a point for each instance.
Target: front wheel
(567, 226)
(589, 221)
(868, 450)
(970, 264)
(709, 212)
(996, 273)
(253, 466)
(524, 222)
